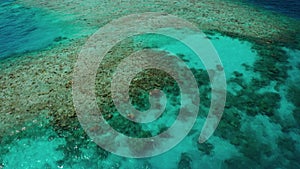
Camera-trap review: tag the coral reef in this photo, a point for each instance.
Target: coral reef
(36, 86)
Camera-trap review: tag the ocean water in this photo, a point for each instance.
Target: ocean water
(290, 8)
(40, 42)
(21, 31)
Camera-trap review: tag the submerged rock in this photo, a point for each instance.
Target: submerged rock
(185, 161)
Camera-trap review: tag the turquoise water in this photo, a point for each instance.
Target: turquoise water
(21, 30)
(25, 29)
(39, 45)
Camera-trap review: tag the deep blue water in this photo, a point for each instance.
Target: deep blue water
(24, 29)
(288, 7)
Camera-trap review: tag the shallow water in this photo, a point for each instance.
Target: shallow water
(40, 44)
